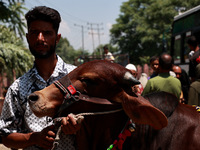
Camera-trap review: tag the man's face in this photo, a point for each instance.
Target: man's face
(105, 51)
(42, 39)
(155, 65)
(177, 70)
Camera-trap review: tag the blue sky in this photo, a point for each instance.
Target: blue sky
(100, 13)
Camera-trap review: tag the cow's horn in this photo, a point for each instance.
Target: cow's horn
(130, 79)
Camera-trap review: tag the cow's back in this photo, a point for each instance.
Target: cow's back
(182, 132)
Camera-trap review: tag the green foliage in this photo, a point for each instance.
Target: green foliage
(145, 59)
(11, 15)
(67, 52)
(143, 27)
(8, 36)
(14, 57)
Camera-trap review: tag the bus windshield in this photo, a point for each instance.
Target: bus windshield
(184, 26)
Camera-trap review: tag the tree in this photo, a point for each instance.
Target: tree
(15, 58)
(67, 52)
(11, 15)
(143, 27)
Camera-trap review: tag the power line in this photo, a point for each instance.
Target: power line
(82, 27)
(66, 13)
(98, 28)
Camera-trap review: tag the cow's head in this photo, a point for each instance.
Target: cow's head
(101, 79)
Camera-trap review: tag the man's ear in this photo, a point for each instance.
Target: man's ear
(58, 38)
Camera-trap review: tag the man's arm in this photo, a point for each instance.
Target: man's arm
(43, 139)
(192, 96)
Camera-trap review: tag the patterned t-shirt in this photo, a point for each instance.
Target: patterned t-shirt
(16, 114)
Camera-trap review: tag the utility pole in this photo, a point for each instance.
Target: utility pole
(98, 29)
(82, 27)
(93, 33)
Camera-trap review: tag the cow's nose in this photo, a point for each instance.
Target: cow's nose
(33, 97)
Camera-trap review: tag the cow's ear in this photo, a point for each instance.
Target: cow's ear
(142, 111)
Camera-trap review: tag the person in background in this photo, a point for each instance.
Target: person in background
(164, 81)
(138, 89)
(108, 55)
(194, 57)
(185, 82)
(194, 90)
(143, 79)
(144, 75)
(19, 127)
(154, 64)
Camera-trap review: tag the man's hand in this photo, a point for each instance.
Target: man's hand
(70, 124)
(45, 138)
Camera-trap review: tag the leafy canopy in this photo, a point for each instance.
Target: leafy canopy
(14, 57)
(11, 15)
(67, 52)
(143, 26)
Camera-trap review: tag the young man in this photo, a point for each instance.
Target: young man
(185, 82)
(194, 90)
(19, 127)
(164, 81)
(136, 88)
(108, 55)
(154, 64)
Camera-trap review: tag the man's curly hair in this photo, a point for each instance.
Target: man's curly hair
(45, 14)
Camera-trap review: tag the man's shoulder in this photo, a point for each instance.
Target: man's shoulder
(69, 67)
(63, 66)
(23, 79)
(161, 78)
(195, 84)
(154, 78)
(174, 81)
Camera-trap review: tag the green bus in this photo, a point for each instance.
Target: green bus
(184, 25)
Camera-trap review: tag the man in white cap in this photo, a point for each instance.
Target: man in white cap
(133, 69)
(138, 89)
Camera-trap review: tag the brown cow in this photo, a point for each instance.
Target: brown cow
(182, 132)
(106, 80)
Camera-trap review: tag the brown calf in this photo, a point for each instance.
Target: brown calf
(105, 80)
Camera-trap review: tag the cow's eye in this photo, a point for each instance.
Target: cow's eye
(87, 81)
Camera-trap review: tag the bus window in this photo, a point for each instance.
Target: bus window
(177, 49)
(184, 25)
(186, 50)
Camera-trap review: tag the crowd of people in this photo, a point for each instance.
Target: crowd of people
(171, 78)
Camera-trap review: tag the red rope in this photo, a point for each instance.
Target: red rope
(118, 143)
